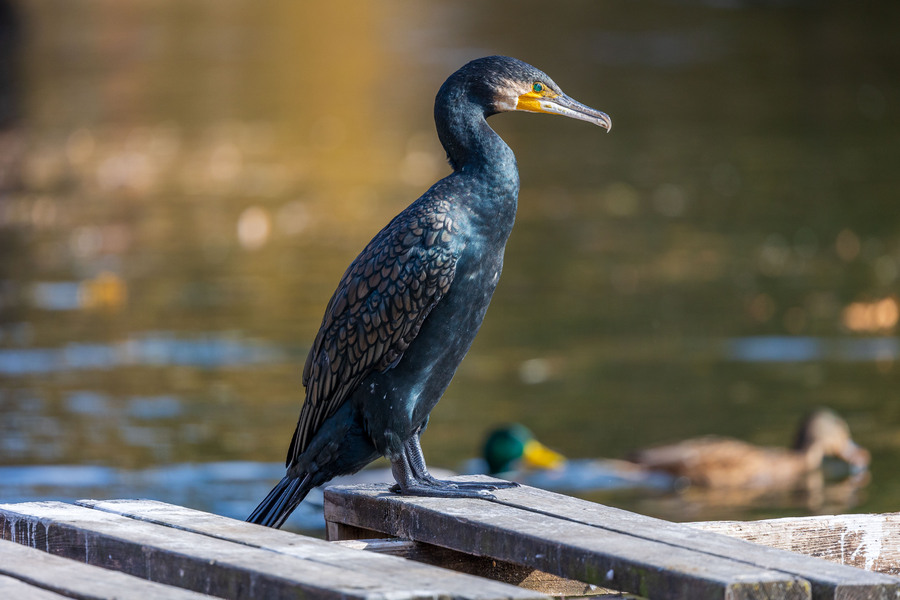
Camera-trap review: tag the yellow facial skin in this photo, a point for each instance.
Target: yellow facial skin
(531, 101)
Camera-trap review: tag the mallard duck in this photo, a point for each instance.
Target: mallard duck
(512, 452)
(720, 462)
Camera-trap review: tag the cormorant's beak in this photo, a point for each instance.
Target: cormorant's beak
(538, 456)
(563, 105)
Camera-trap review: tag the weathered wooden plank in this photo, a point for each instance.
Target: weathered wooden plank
(560, 546)
(234, 570)
(14, 588)
(279, 541)
(870, 542)
(828, 580)
(52, 574)
(483, 566)
(283, 561)
(285, 542)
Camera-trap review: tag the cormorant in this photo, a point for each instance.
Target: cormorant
(408, 307)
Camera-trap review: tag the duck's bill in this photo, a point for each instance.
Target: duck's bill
(567, 107)
(538, 456)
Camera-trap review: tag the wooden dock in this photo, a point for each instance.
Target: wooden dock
(221, 557)
(526, 544)
(600, 545)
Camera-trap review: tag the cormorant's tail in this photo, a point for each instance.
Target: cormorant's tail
(274, 510)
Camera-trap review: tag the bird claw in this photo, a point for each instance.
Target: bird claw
(494, 485)
(446, 490)
(431, 481)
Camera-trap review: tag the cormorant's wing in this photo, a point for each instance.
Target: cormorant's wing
(376, 311)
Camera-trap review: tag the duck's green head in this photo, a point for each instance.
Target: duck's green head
(513, 446)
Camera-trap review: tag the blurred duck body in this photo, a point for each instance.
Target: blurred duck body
(726, 463)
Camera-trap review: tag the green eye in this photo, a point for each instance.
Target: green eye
(538, 87)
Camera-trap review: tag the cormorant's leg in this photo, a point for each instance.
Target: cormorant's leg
(408, 484)
(412, 450)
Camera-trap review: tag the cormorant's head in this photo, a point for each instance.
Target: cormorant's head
(504, 84)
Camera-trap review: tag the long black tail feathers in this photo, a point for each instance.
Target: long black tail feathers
(274, 510)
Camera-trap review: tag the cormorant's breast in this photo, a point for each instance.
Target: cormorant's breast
(483, 211)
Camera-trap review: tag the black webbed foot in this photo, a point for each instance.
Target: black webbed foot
(472, 485)
(448, 490)
(413, 478)
(485, 485)
(428, 485)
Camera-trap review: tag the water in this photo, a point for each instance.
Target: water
(183, 183)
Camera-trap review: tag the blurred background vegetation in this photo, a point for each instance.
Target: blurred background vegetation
(182, 183)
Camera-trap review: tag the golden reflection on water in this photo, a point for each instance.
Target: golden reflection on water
(188, 180)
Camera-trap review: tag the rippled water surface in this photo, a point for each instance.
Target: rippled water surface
(183, 182)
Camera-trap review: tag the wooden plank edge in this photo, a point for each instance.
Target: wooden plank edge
(455, 525)
(74, 579)
(866, 541)
(10, 587)
(219, 567)
(275, 540)
(822, 574)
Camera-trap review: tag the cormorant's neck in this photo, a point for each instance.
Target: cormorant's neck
(471, 145)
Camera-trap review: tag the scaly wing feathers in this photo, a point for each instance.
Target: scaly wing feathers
(376, 311)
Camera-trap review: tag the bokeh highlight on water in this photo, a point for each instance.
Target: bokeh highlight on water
(183, 183)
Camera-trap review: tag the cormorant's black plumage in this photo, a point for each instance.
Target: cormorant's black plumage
(407, 309)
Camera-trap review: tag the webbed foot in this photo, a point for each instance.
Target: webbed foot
(413, 478)
(447, 490)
